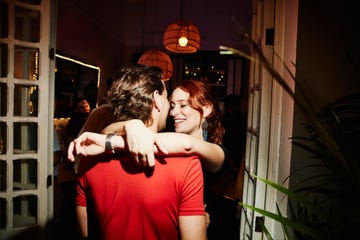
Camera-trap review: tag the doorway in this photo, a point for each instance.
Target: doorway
(73, 80)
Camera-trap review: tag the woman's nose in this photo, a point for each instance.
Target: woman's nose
(174, 111)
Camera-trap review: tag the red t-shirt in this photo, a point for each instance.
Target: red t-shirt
(130, 202)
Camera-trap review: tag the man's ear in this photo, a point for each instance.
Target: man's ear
(157, 100)
(207, 109)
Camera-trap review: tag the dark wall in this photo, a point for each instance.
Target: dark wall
(328, 59)
(78, 37)
(328, 50)
(109, 34)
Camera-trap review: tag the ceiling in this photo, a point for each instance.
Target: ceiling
(145, 20)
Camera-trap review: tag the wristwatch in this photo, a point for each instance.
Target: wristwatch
(108, 146)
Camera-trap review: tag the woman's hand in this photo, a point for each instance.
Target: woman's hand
(143, 143)
(207, 216)
(86, 144)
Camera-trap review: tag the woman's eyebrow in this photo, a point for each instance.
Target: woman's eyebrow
(178, 101)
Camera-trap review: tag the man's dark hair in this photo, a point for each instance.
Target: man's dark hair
(131, 93)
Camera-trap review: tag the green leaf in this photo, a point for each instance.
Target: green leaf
(293, 195)
(287, 222)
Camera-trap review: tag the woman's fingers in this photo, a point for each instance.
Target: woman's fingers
(160, 145)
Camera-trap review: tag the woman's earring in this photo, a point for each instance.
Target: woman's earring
(204, 126)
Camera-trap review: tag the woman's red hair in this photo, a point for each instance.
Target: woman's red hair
(200, 95)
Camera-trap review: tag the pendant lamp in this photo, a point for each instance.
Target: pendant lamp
(182, 37)
(159, 59)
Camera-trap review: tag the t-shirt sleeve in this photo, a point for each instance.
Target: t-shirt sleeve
(226, 152)
(192, 197)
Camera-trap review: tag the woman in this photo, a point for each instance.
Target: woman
(194, 112)
(196, 119)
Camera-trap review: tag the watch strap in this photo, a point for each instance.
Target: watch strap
(108, 146)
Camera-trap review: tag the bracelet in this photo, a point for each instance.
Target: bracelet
(108, 146)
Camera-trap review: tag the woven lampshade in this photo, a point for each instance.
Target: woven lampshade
(185, 30)
(158, 59)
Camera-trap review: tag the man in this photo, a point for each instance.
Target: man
(132, 201)
(78, 119)
(101, 116)
(66, 170)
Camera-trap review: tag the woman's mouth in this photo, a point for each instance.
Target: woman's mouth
(178, 121)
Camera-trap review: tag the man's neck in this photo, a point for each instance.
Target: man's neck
(153, 128)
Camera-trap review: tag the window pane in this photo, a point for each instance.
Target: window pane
(25, 100)
(3, 139)
(34, 2)
(25, 137)
(27, 24)
(26, 63)
(4, 30)
(3, 99)
(3, 60)
(210, 68)
(3, 214)
(192, 70)
(217, 73)
(25, 174)
(25, 210)
(3, 175)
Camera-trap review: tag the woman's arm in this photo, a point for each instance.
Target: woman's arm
(211, 155)
(140, 141)
(192, 227)
(119, 127)
(143, 151)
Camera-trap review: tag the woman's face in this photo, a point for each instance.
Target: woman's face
(186, 119)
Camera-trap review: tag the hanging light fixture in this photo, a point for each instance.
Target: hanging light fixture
(182, 36)
(158, 59)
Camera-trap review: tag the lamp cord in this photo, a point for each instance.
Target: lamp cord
(181, 10)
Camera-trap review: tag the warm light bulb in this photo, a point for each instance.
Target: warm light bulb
(183, 41)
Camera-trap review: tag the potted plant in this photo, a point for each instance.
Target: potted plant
(326, 204)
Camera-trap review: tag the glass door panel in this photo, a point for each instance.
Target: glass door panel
(3, 138)
(25, 137)
(26, 63)
(4, 30)
(34, 2)
(3, 175)
(26, 100)
(26, 90)
(3, 214)
(25, 174)
(3, 60)
(3, 99)
(27, 24)
(25, 210)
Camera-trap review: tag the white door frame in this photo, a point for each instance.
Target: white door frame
(42, 139)
(270, 116)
